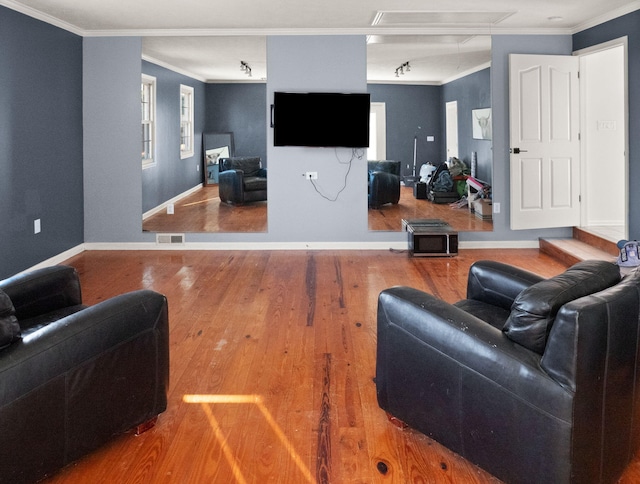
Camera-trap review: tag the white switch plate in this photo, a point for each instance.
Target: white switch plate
(36, 226)
(496, 207)
(170, 209)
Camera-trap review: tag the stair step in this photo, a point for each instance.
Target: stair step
(571, 251)
(596, 241)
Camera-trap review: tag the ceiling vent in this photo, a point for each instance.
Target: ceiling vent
(424, 18)
(170, 239)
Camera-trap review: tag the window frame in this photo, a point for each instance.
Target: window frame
(150, 81)
(187, 118)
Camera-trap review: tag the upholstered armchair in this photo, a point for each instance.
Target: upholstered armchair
(384, 182)
(535, 380)
(241, 180)
(73, 376)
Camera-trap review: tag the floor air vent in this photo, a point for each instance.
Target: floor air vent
(169, 238)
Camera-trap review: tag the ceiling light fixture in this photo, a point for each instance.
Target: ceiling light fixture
(402, 69)
(244, 67)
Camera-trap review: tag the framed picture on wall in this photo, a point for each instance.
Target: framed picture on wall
(481, 122)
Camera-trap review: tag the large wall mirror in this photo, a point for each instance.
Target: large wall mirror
(411, 78)
(411, 116)
(233, 120)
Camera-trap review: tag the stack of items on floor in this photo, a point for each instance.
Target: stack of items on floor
(452, 183)
(479, 198)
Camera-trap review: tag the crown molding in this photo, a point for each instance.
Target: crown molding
(466, 73)
(38, 15)
(372, 30)
(613, 14)
(173, 68)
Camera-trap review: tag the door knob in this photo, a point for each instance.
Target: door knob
(516, 151)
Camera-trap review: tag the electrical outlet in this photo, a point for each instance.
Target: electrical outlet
(36, 226)
(170, 209)
(311, 175)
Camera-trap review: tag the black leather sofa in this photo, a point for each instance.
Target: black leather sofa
(384, 182)
(536, 381)
(242, 180)
(72, 376)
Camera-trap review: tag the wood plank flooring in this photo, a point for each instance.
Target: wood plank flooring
(389, 217)
(272, 366)
(202, 212)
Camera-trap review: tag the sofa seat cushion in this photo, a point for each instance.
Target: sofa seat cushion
(535, 308)
(9, 327)
(490, 314)
(31, 325)
(253, 183)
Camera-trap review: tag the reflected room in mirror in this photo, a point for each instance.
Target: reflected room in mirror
(202, 210)
(466, 206)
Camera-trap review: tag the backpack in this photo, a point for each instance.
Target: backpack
(628, 253)
(441, 180)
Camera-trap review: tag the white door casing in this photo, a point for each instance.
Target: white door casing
(545, 147)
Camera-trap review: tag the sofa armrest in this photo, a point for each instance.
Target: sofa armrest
(230, 186)
(67, 344)
(383, 188)
(43, 290)
(497, 283)
(423, 340)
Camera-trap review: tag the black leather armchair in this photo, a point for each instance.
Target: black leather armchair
(533, 380)
(384, 182)
(72, 376)
(241, 180)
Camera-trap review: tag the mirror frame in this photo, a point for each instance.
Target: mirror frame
(215, 141)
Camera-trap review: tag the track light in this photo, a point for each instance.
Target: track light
(402, 69)
(244, 67)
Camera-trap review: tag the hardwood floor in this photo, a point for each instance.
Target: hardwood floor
(272, 366)
(389, 217)
(203, 212)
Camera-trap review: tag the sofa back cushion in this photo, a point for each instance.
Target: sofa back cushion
(250, 165)
(535, 308)
(388, 166)
(9, 327)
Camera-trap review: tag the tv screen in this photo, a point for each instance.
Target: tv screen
(321, 119)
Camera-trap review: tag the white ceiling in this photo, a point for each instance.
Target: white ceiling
(207, 39)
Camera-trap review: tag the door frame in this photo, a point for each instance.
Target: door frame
(623, 42)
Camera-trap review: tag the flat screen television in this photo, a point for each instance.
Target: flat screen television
(321, 119)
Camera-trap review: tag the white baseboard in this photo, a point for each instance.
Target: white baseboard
(63, 256)
(163, 206)
(55, 260)
(513, 244)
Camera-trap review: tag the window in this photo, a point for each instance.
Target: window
(148, 100)
(186, 121)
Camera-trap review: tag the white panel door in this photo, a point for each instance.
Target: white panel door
(545, 146)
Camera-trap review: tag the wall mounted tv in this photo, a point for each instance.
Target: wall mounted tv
(321, 119)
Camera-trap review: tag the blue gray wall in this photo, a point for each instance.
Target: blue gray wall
(111, 123)
(628, 25)
(240, 109)
(71, 115)
(170, 175)
(471, 92)
(412, 111)
(40, 141)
